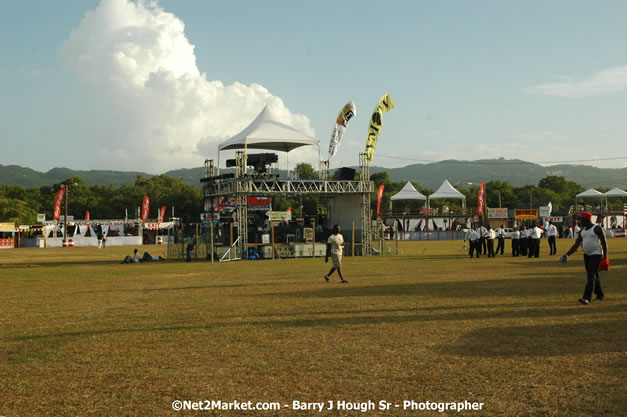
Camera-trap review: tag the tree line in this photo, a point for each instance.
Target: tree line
(21, 205)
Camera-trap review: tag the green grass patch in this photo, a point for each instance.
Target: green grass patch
(84, 335)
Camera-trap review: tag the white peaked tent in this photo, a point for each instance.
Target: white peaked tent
(265, 132)
(591, 193)
(615, 192)
(408, 192)
(447, 191)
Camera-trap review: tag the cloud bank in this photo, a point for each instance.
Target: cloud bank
(150, 107)
(611, 80)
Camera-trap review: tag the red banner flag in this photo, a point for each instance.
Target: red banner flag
(481, 199)
(87, 216)
(57, 204)
(379, 198)
(161, 216)
(145, 208)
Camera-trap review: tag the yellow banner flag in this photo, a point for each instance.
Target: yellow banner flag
(374, 129)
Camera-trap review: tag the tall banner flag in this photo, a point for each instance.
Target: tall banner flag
(87, 216)
(379, 198)
(58, 200)
(145, 208)
(374, 129)
(161, 215)
(481, 199)
(341, 123)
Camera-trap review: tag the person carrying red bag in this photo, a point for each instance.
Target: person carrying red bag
(592, 240)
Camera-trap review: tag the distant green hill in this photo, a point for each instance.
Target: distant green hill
(516, 172)
(26, 177)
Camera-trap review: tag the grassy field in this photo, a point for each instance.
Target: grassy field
(83, 335)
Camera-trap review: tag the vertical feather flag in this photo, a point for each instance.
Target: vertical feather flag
(145, 208)
(341, 123)
(161, 215)
(374, 129)
(481, 199)
(379, 198)
(58, 200)
(87, 215)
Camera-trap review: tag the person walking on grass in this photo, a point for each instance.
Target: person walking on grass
(592, 240)
(335, 245)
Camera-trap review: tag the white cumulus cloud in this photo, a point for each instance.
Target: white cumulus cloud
(611, 80)
(152, 109)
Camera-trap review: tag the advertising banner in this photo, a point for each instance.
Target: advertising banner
(528, 214)
(379, 198)
(497, 213)
(481, 199)
(145, 208)
(374, 129)
(341, 123)
(57, 204)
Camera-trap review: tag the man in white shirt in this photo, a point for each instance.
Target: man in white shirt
(335, 245)
(516, 242)
(592, 240)
(483, 237)
(551, 232)
(473, 237)
(534, 247)
(523, 243)
(500, 235)
(490, 236)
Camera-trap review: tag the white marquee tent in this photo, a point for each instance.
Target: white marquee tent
(615, 192)
(265, 132)
(408, 192)
(591, 193)
(447, 191)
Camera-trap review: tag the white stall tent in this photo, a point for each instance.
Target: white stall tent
(447, 191)
(408, 192)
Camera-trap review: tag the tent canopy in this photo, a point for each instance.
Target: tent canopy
(408, 192)
(267, 133)
(615, 192)
(447, 191)
(590, 194)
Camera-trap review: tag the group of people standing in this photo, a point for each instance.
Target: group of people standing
(482, 239)
(526, 242)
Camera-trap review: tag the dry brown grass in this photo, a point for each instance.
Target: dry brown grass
(83, 335)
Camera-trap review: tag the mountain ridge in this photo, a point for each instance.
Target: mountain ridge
(459, 173)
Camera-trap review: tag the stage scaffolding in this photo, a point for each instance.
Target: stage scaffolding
(241, 185)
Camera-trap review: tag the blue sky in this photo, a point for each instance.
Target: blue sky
(156, 87)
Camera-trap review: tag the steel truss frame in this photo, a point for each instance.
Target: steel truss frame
(242, 186)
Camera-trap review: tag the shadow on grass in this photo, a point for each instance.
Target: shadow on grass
(530, 286)
(412, 316)
(548, 340)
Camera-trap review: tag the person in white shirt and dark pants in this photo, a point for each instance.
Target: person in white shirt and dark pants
(500, 235)
(592, 240)
(551, 232)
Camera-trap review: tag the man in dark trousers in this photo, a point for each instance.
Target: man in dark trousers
(483, 238)
(516, 242)
(500, 235)
(592, 240)
(473, 238)
(551, 232)
(190, 249)
(491, 235)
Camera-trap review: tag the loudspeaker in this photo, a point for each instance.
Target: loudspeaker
(345, 174)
